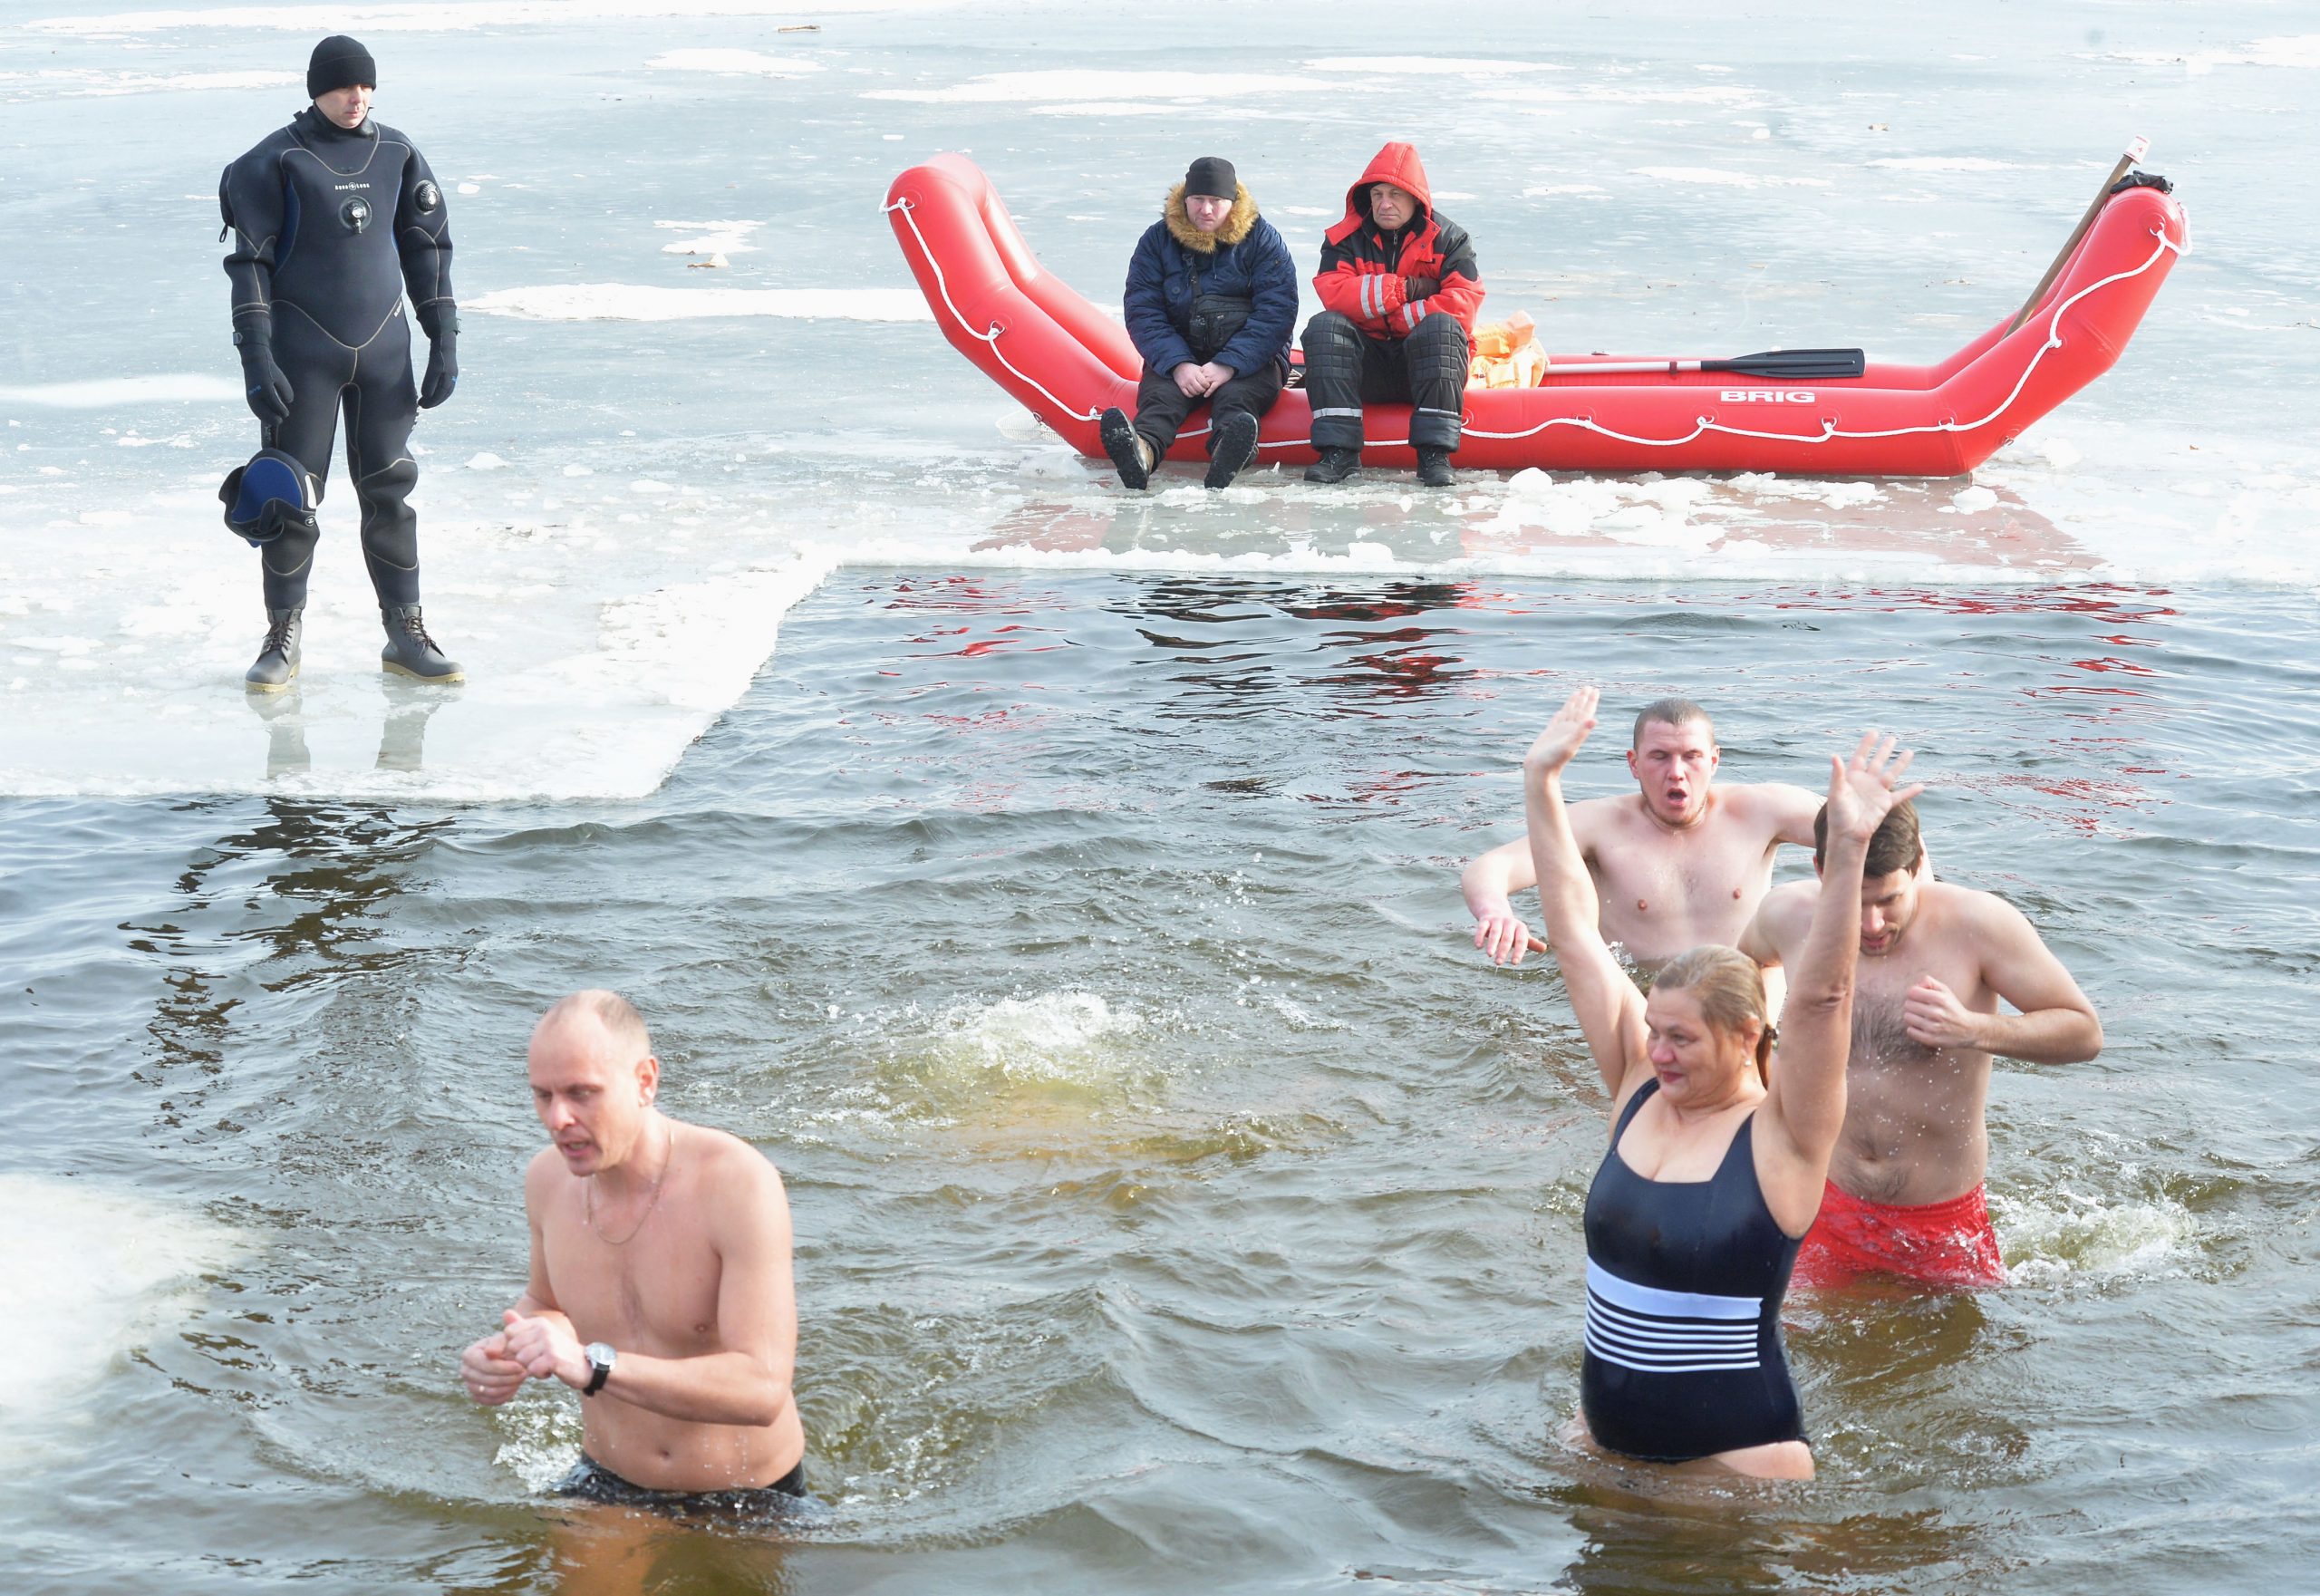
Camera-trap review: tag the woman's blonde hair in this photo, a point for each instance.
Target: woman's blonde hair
(1730, 990)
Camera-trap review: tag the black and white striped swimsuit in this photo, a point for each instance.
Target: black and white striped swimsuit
(1684, 1286)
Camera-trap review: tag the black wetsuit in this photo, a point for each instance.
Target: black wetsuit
(1684, 1286)
(330, 228)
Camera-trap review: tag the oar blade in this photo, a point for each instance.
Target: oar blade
(1823, 365)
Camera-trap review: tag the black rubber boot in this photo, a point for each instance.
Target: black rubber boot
(1131, 456)
(409, 651)
(1236, 446)
(277, 665)
(1335, 465)
(1433, 468)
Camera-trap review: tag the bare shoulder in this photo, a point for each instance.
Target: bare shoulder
(1786, 911)
(1601, 816)
(541, 1176)
(1780, 807)
(746, 1184)
(1978, 914)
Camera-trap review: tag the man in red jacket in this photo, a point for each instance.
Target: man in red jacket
(1399, 290)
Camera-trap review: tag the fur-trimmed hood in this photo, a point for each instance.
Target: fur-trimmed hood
(1243, 216)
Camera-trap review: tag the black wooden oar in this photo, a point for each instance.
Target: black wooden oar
(1780, 364)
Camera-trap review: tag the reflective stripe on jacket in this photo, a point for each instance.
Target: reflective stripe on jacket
(1363, 266)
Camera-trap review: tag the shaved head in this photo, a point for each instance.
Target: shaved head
(1671, 711)
(593, 1078)
(608, 1011)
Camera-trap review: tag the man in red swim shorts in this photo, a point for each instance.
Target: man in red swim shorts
(1905, 1187)
(1949, 1244)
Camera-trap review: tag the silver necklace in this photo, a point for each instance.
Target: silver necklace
(588, 1200)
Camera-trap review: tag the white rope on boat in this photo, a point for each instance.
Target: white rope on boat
(1830, 430)
(991, 335)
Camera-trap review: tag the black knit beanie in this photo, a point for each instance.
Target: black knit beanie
(1211, 175)
(338, 62)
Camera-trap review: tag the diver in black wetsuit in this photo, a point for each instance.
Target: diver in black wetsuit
(332, 218)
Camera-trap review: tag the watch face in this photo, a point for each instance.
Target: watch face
(600, 1354)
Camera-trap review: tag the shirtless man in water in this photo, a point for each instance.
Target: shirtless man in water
(1905, 1184)
(661, 1284)
(1679, 863)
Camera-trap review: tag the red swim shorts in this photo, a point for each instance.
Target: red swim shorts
(1947, 1243)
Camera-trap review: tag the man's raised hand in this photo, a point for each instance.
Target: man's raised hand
(1554, 747)
(1861, 789)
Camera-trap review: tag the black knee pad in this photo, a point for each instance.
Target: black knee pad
(1439, 348)
(1333, 356)
(1437, 353)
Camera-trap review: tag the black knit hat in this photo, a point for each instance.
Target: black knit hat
(1211, 175)
(338, 62)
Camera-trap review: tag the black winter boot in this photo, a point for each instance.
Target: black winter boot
(409, 651)
(1131, 455)
(1433, 468)
(1335, 465)
(1236, 446)
(277, 665)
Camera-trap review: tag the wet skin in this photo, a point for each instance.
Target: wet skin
(1706, 1072)
(1935, 959)
(1679, 863)
(671, 1242)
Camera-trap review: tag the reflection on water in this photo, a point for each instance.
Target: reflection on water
(284, 716)
(408, 706)
(1741, 522)
(1647, 1538)
(403, 736)
(617, 1551)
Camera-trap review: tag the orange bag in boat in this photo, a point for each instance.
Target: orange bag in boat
(1507, 355)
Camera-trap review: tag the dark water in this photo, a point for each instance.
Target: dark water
(1181, 1203)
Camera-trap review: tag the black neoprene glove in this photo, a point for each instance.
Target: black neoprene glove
(1420, 287)
(442, 368)
(267, 390)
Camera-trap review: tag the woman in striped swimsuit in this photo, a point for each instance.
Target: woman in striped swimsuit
(1717, 1160)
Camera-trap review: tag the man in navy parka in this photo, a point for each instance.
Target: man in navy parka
(1212, 304)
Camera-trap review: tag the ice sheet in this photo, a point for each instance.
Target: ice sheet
(1719, 177)
(734, 62)
(125, 392)
(633, 302)
(1942, 163)
(1095, 85)
(2297, 50)
(42, 85)
(646, 461)
(451, 15)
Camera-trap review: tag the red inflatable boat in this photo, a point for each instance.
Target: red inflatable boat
(1067, 361)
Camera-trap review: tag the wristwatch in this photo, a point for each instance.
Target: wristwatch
(600, 1367)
